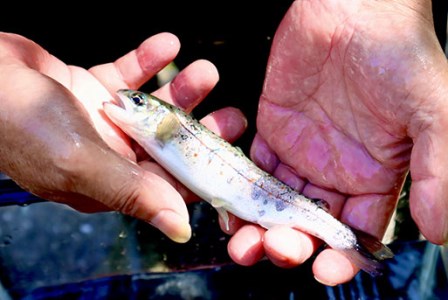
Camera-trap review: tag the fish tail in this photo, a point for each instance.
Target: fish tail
(368, 253)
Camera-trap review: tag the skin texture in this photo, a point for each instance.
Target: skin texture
(354, 98)
(57, 143)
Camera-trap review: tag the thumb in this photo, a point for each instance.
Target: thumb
(429, 188)
(126, 187)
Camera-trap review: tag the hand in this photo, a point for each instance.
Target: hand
(58, 144)
(354, 95)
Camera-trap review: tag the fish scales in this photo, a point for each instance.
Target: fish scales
(223, 176)
(203, 153)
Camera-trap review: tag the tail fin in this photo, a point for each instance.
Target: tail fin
(368, 253)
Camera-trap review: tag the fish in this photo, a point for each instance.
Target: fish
(228, 180)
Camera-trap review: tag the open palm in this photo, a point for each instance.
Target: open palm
(352, 100)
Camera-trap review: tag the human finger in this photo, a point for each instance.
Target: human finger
(368, 213)
(62, 143)
(287, 175)
(262, 155)
(229, 123)
(429, 162)
(190, 86)
(129, 71)
(286, 247)
(246, 245)
(138, 66)
(332, 268)
(126, 187)
(151, 166)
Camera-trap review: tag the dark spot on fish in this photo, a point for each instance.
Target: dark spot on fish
(280, 205)
(256, 193)
(322, 204)
(261, 213)
(265, 201)
(194, 127)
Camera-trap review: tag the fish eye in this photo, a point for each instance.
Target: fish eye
(138, 99)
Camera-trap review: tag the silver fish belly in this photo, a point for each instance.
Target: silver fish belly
(223, 176)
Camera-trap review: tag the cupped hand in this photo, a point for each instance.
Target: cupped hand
(354, 97)
(57, 143)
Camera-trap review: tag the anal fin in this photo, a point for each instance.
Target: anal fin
(219, 204)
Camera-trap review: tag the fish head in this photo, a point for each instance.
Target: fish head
(136, 113)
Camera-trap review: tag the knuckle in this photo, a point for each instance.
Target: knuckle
(71, 165)
(128, 200)
(125, 200)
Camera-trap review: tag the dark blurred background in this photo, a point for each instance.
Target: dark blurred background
(234, 35)
(36, 243)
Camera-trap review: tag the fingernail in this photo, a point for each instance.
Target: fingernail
(324, 282)
(236, 121)
(173, 225)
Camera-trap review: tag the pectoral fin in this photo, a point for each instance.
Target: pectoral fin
(167, 128)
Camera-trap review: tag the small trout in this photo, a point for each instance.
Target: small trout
(223, 176)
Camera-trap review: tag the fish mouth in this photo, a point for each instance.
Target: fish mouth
(120, 111)
(123, 99)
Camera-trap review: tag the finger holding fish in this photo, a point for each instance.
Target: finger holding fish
(287, 248)
(368, 213)
(229, 123)
(187, 89)
(221, 174)
(332, 268)
(283, 245)
(138, 66)
(247, 248)
(371, 213)
(135, 68)
(190, 86)
(297, 246)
